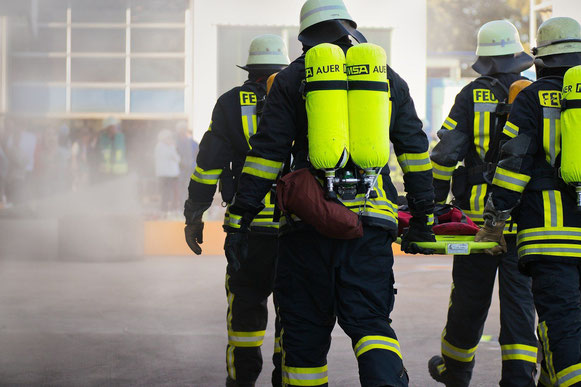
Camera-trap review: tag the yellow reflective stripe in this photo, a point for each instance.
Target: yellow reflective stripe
(519, 352)
(510, 129)
(305, 376)
(430, 221)
(441, 172)
(542, 233)
(551, 134)
(449, 124)
(211, 176)
(234, 220)
(441, 368)
(257, 166)
(477, 195)
(510, 180)
(553, 208)
(544, 337)
(569, 376)
(482, 127)
(230, 351)
(456, 353)
(277, 346)
(414, 162)
(367, 343)
(558, 249)
(246, 339)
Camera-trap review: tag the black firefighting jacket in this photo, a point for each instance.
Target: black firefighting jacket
(548, 226)
(223, 149)
(283, 129)
(468, 135)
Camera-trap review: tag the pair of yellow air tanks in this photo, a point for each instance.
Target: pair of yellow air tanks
(571, 130)
(348, 108)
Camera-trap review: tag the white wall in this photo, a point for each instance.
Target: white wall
(570, 8)
(406, 18)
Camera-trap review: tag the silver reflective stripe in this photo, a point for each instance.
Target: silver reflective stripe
(485, 107)
(510, 130)
(525, 250)
(407, 162)
(245, 339)
(295, 376)
(260, 167)
(512, 180)
(552, 114)
(206, 176)
(553, 208)
(325, 8)
(376, 342)
(568, 377)
(450, 123)
(519, 352)
(468, 355)
(525, 234)
(247, 113)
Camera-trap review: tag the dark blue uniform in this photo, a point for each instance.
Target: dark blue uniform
(468, 134)
(549, 229)
(320, 279)
(221, 157)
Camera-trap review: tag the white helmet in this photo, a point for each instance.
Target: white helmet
(498, 37)
(266, 52)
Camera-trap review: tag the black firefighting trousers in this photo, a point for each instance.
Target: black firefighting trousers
(473, 279)
(320, 280)
(556, 288)
(247, 291)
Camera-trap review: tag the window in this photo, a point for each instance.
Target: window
(157, 70)
(24, 39)
(157, 40)
(34, 99)
(158, 11)
(98, 40)
(98, 69)
(97, 100)
(34, 69)
(157, 101)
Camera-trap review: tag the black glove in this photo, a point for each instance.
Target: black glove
(418, 231)
(195, 236)
(236, 248)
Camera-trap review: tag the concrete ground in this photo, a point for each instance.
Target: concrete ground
(160, 321)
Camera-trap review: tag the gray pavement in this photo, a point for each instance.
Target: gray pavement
(160, 321)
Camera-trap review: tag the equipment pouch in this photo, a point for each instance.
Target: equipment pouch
(460, 183)
(300, 194)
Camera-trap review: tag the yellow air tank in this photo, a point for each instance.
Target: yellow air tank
(369, 106)
(571, 130)
(326, 104)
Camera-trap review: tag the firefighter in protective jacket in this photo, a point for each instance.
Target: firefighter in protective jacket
(471, 134)
(319, 278)
(220, 159)
(549, 228)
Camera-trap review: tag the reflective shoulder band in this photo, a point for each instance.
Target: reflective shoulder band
(369, 85)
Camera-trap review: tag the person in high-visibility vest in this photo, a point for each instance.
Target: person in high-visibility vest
(321, 278)
(471, 134)
(220, 159)
(528, 185)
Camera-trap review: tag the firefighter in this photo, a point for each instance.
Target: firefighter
(549, 230)
(220, 158)
(471, 133)
(321, 279)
